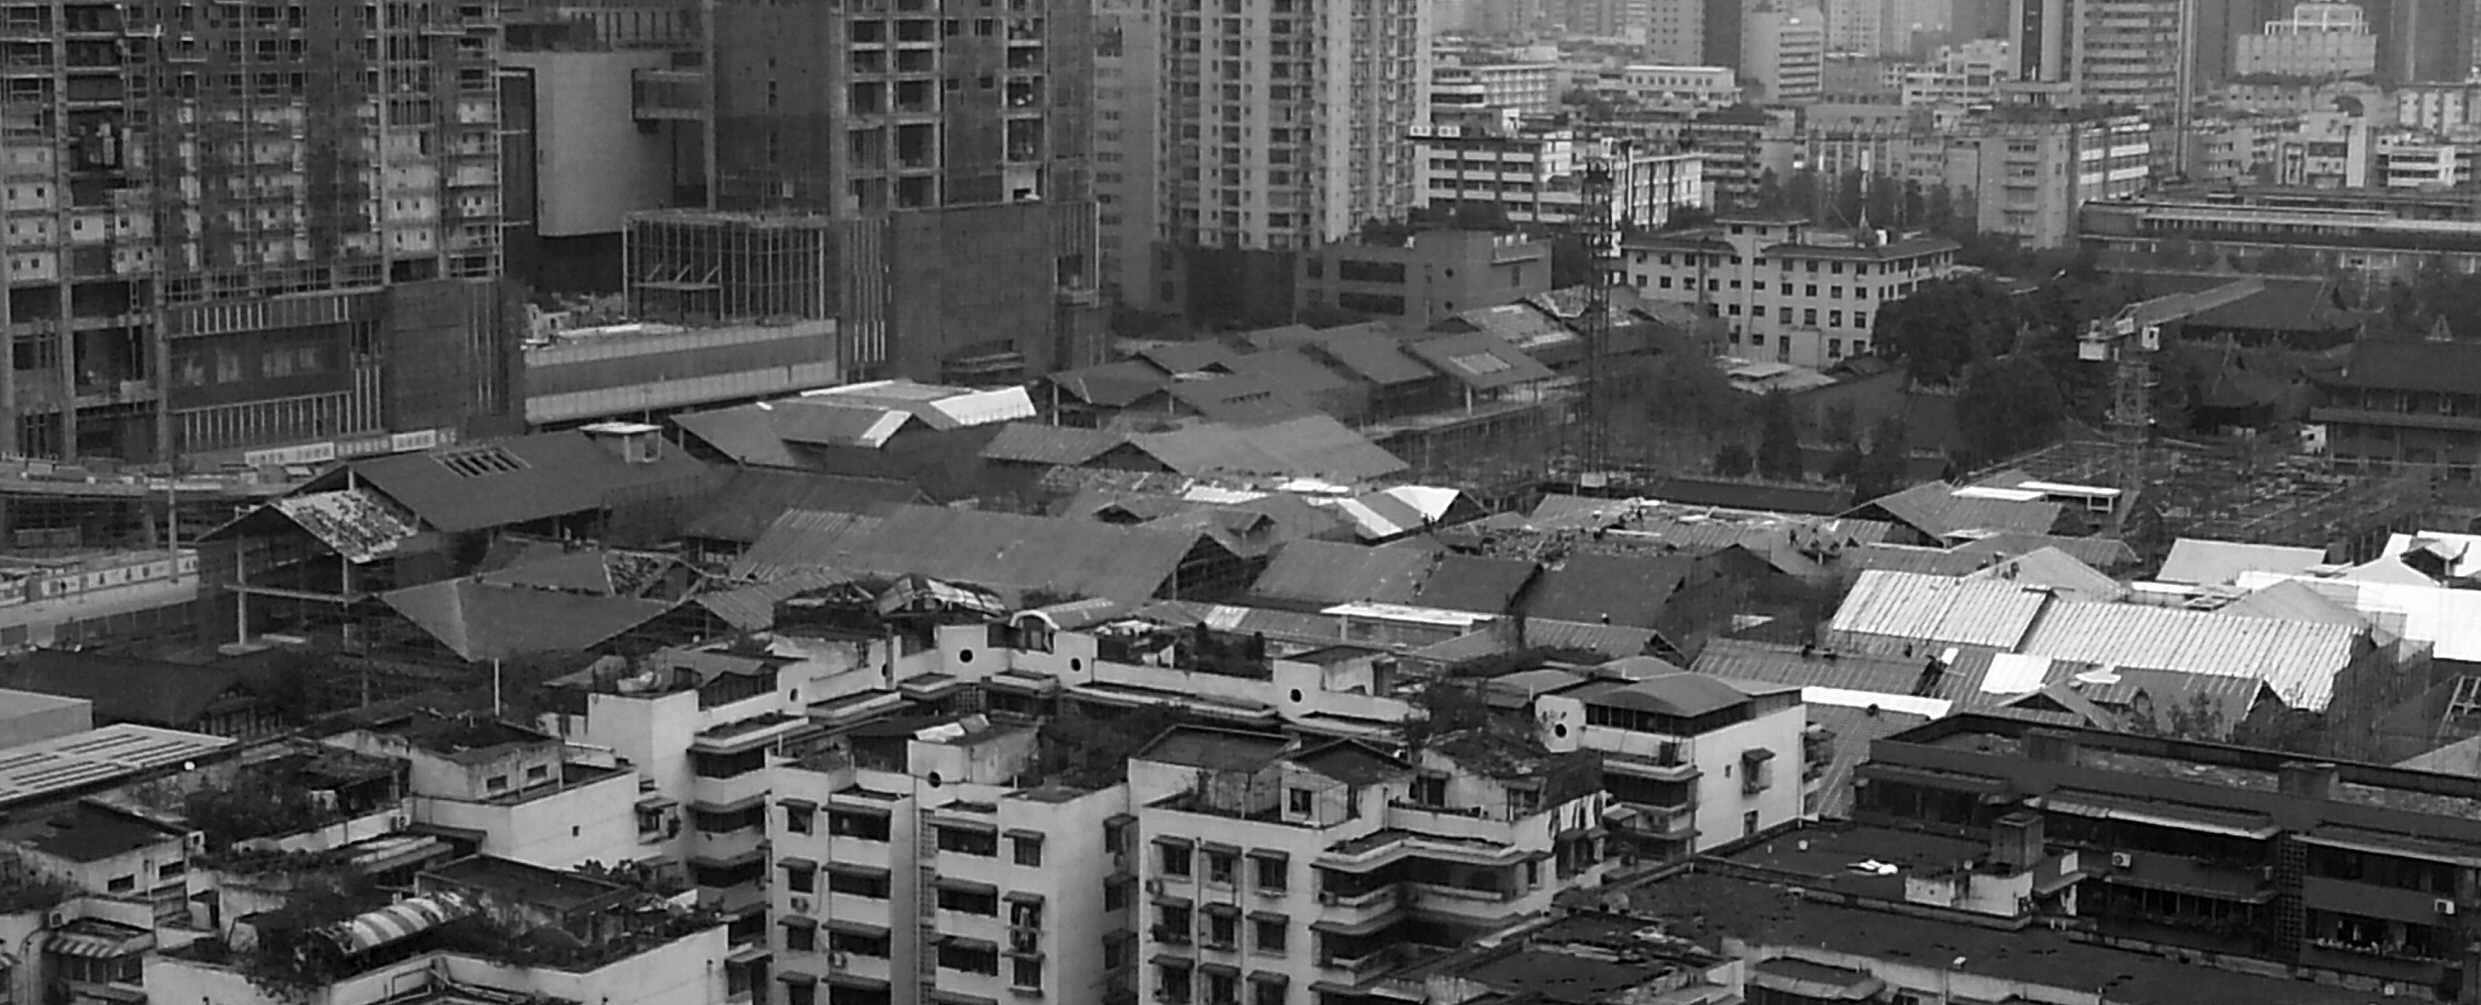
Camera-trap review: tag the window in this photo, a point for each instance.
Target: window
(800, 878)
(801, 936)
(859, 884)
(860, 944)
(970, 957)
(1274, 874)
(1809, 316)
(800, 994)
(1266, 992)
(538, 773)
(1028, 849)
(1834, 348)
(866, 826)
(963, 900)
(1116, 893)
(1028, 972)
(1220, 867)
(968, 841)
(1172, 924)
(1813, 290)
(1171, 983)
(121, 884)
(1115, 838)
(1175, 860)
(1222, 989)
(1223, 930)
(497, 783)
(1860, 319)
(797, 817)
(1268, 934)
(1748, 824)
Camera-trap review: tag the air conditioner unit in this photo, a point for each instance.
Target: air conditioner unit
(838, 961)
(801, 905)
(2122, 860)
(1154, 886)
(2446, 906)
(57, 917)
(396, 822)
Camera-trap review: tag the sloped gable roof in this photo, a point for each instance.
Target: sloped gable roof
(2221, 563)
(1480, 360)
(2299, 658)
(750, 500)
(1914, 606)
(1475, 584)
(1329, 572)
(478, 621)
(476, 487)
(1187, 357)
(1241, 399)
(1029, 443)
(799, 540)
(1111, 385)
(2066, 577)
(1934, 509)
(1607, 589)
(1015, 554)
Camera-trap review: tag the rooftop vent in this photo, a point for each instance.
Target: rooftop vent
(479, 462)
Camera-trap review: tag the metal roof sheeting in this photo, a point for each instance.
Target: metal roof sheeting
(358, 525)
(398, 921)
(800, 539)
(478, 621)
(2068, 578)
(1012, 553)
(1329, 572)
(752, 498)
(2221, 563)
(2299, 658)
(1914, 606)
(2448, 619)
(529, 478)
(1027, 443)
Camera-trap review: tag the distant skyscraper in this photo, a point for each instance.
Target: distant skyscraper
(2123, 52)
(1783, 54)
(2317, 40)
(1275, 125)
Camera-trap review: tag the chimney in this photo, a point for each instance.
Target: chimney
(634, 442)
(2050, 745)
(2310, 779)
(2016, 841)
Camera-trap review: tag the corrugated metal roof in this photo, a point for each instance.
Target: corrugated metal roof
(1908, 605)
(359, 525)
(1921, 559)
(1111, 385)
(2458, 555)
(1683, 694)
(2103, 553)
(801, 539)
(478, 621)
(1015, 554)
(2448, 619)
(1934, 509)
(1329, 572)
(1743, 659)
(1599, 588)
(1027, 443)
(2299, 658)
(1246, 399)
(1474, 583)
(1314, 446)
(752, 608)
(1372, 355)
(2221, 563)
(751, 499)
(1480, 360)
(2068, 578)
(476, 487)
(1187, 357)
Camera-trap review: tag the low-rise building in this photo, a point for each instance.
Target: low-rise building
(1330, 868)
(1691, 762)
(2030, 169)
(1791, 292)
(2318, 41)
(1430, 276)
(1536, 179)
(509, 790)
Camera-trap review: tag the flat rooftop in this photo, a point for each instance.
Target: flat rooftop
(1829, 857)
(95, 757)
(531, 884)
(1707, 908)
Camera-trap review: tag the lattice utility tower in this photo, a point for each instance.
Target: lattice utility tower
(1594, 228)
(2128, 342)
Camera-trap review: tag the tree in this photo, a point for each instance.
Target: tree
(1851, 197)
(2009, 404)
(1939, 210)
(1800, 193)
(1481, 216)
(1841, 424)
(1916, 205)
(1769, 191)
(1886, 467)
(1684, 390)
(1946, 326)
(1732, 460)
(1885, 201)
(1778, 438)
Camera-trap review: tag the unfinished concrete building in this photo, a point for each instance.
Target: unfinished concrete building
(207, 205)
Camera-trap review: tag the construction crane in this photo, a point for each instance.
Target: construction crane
(2128, 341)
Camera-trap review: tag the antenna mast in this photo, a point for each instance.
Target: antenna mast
(1593, 223)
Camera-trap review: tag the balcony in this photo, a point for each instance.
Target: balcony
(668, 95)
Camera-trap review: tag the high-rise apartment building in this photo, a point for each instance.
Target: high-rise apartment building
(1675, 32)
(1783, 54)
(1277, 125)
(1856, 26)
(216, 214)
(2317, 40)
(2123, 52)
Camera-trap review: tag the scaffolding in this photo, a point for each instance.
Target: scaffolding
(2235, 495)
(711, 267)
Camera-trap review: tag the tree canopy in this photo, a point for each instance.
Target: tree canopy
(1948, 325)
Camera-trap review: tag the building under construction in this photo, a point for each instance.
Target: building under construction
(2234, 495)
(203, 200)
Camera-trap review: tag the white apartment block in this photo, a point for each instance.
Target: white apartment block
(1680, 86)
(1537, 179)
(1790, 293)
(1690, 761)
(2319, 40)
(1278, 873)
(1783, 55)
(1529, 88)
(2405, 162)
(932, 863)
(2328, 151)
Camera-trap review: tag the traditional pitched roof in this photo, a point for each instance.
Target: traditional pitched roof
(2066, 577)
(1914, 606)
(1372, 355)
(2412, 365)
(2221, 563)
(2299, 658)
(1291, 368)
(1682, 694)
(1475, 584)
(1110, 385)
(750, 500)
(1607, 589)
(1188, 357)
(478, 621)
(478, 487)
(1313, 446)
(1016, 554)
(1325, 573)
(359, 525)
(1937, 511)
(800, 540)
(1242, 399)
(1028, 443)
(1481, 361)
